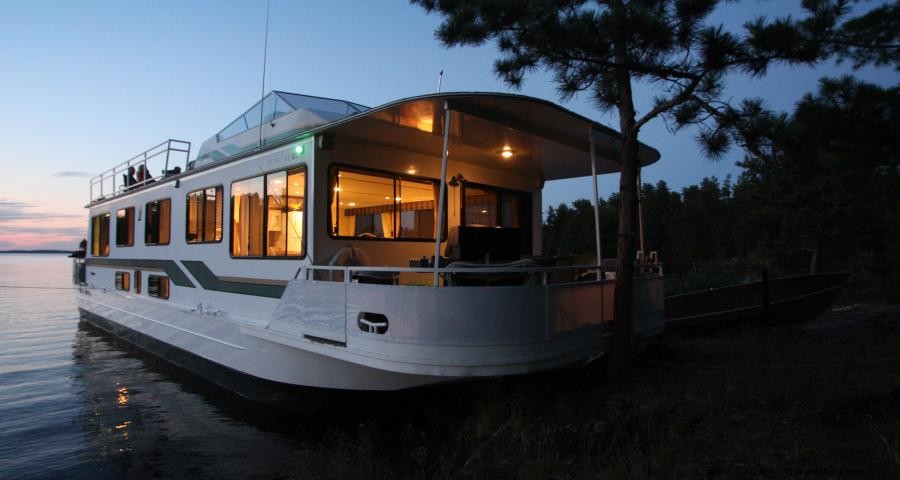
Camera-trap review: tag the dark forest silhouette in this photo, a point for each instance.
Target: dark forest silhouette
(819, 192)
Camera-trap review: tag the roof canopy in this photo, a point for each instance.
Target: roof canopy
(543, 139)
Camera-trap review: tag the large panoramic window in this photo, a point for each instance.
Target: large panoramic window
(204, 215)
(369, 205)
(267, 215)
(100, 235)
(125, 227)
(157, 221)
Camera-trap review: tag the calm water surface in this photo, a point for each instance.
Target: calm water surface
(76, 403)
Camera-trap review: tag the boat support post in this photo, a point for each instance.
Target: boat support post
(441, 201)
(596, 206)
(641, 217)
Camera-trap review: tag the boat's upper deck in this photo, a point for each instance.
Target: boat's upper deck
(547, 141)
(166, 159)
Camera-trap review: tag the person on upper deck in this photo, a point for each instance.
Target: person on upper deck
(129, 179)
(143, 175)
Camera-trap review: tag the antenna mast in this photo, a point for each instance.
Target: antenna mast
(440, 79)
(262, 90)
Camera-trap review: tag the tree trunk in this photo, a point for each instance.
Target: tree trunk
(625, 255)
(628, 204)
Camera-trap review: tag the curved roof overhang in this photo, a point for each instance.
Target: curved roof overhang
(546, 140)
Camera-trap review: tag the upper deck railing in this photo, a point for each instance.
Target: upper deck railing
(139, 169)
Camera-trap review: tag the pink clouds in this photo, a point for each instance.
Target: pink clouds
(25, 226)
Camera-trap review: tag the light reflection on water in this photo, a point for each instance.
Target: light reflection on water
(78, 403)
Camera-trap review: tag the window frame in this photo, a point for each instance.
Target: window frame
(123, 281)
(146, 222)
(131, 227)
(332, 171)
(500, 191)
(265, 224)
(100, 253)
(137, 282)
(187, 220)
(527, 227)
(168, 286)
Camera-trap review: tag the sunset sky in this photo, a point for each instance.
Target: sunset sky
(87, 85)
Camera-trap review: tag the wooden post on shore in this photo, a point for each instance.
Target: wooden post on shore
(765, 296)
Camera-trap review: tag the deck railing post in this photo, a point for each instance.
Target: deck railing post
(596, 206)
(440, 213)
(168, 151)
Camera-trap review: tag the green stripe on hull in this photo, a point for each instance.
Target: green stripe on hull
(210, 281)
(171, 268)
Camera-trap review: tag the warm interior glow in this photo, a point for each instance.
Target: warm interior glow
(425, 124)
(411, 170)
(506, 152)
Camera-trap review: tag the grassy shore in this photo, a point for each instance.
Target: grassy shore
(819, 400)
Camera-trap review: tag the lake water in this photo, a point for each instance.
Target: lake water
(77, 403)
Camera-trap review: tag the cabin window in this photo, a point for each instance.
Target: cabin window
(267, 215)
(123, 281)
(125, 227)
(204, 215)
(158, 286)
(157, 222)
(496, 208)
(137, 281)
(491, 207)
(100, 235)
(370, 205)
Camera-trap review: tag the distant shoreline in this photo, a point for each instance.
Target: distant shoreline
(35, 251)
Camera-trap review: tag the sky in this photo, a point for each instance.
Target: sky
(87, 85)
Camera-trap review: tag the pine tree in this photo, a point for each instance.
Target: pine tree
(604, 46)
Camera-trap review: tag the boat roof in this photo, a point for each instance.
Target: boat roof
(545, 139)
(277, 104)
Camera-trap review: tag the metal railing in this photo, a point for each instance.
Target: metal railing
(127, 175)
(456, 276)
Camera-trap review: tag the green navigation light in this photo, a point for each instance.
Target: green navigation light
(298, 149)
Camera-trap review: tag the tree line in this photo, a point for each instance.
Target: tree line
(819, 191)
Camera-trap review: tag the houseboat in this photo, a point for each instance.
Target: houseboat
(320, 243)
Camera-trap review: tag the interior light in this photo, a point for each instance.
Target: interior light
(352, 204)
(411, 170)
(387, 198)
(506, 152)
(484, 211)
(397, 198)
(426, 124)
(298, 149)
(337, 189)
